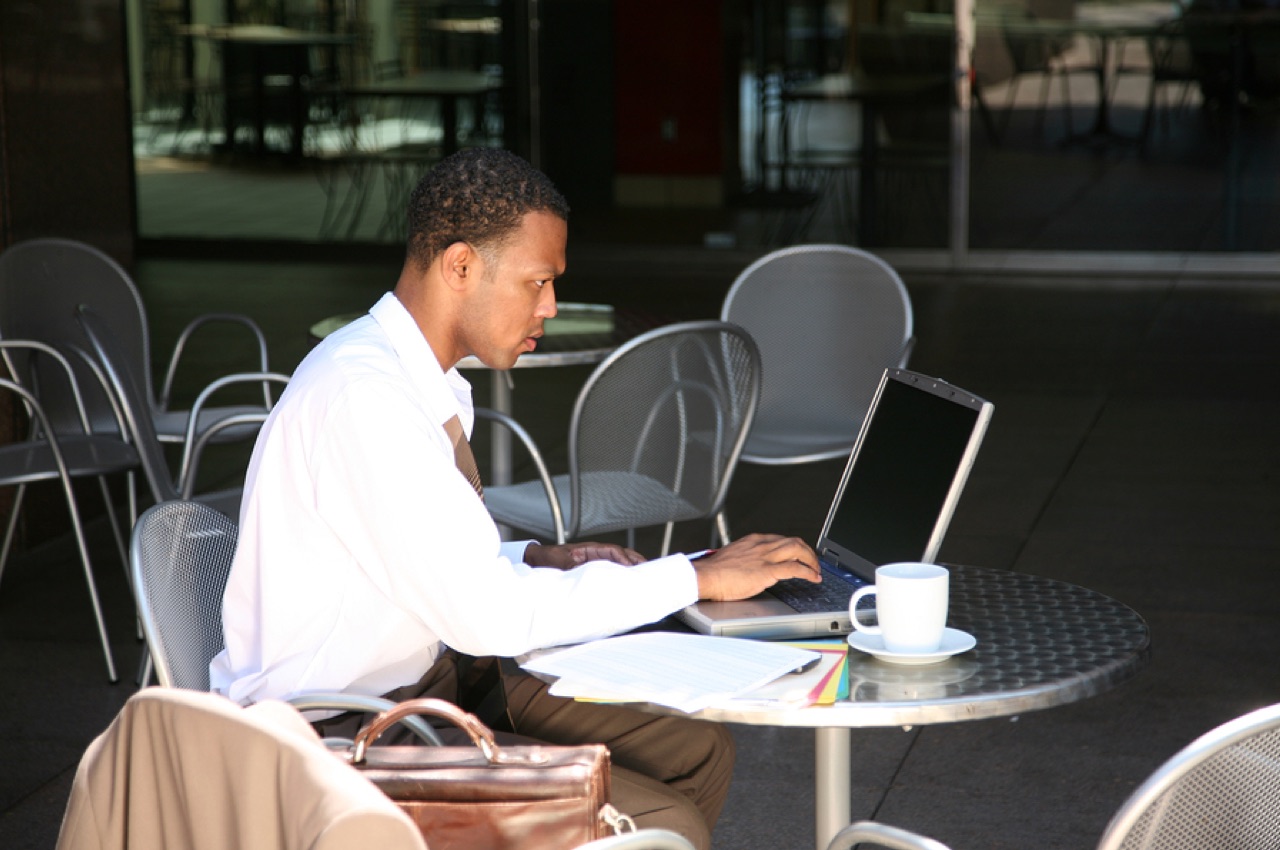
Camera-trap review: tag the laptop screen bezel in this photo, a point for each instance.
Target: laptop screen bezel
(843, 558)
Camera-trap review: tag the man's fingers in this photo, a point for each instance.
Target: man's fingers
(584, 552)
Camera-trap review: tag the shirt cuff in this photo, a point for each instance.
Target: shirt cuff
(513, 551)
(680, 576)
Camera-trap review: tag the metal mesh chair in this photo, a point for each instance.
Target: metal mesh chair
(871, 834)
(180, 557)
(86, 454)
(45, 456)
(1220, 791)
(654, 437)
(829, 319)
(42, 281)
(109, 365)
(641, 839)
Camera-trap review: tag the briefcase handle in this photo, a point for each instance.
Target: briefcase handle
(480, 734)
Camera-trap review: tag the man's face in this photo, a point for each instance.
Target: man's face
(515, 292)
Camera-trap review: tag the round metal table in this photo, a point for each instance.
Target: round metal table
(1040, 643)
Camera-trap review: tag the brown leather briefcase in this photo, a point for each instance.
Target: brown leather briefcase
(490, 797)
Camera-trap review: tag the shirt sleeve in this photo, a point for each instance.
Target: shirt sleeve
(422, 536)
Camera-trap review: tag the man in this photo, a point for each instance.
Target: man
(367, 562)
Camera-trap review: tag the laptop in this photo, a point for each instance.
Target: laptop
(895, 500)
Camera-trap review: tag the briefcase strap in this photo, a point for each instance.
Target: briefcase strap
(616, 820)
(480, 734)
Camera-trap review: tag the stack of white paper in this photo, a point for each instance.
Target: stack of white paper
(683, 671)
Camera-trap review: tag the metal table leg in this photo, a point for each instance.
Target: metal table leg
(832, 782)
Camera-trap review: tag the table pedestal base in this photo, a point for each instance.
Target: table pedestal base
(832, 766)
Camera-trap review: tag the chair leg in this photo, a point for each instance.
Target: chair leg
(666, 538)
(145, 667)
(722, 526)
(88, 577)
(1045, 83)
(12, 526)
(1066, 103)
(121, 545)
(1010, 103)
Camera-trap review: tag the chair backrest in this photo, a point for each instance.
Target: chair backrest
(108, 352)
(657, 429)
(180, 556)
(42, 281)
(829, 319)
(1222, 790)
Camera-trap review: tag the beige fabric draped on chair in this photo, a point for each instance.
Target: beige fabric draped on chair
(190, 770)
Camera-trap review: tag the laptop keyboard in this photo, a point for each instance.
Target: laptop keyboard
(809, 598)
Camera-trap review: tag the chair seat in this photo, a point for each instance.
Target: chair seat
(623, 500)
(814, 442)
(27, 462)
(171, 425)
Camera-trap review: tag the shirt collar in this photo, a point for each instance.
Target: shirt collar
(420, 362)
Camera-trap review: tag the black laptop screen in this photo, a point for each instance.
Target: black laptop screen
(904, 469)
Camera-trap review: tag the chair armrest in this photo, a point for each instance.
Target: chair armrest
(557, 513)
(199, 322)
(641, 839)
(322, 700)
(56, 356)
(193, 443)
(891, 837)
(191, 453)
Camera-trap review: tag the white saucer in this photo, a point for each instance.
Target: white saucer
(954, 642)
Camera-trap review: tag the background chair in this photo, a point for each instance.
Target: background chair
(180, 556)
(43, 456)
(654, 436)
(42, 281)
(97, 455)
(1221, 790)
(106, 360)
(828, 319)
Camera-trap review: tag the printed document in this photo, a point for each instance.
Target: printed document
(684, 671)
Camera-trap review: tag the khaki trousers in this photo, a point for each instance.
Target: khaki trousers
(668, 772)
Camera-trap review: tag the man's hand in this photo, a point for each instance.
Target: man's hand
(570, 555)
(749, 565)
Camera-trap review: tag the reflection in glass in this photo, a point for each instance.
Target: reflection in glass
(1095, 125)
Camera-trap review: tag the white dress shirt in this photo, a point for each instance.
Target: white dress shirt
(363, 549)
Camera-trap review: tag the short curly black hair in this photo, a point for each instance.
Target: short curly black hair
(478, 196)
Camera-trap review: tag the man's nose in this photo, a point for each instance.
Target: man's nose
(547, 303)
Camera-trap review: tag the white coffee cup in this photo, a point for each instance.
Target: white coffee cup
(911, 606)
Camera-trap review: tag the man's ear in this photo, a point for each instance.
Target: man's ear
(458, 265)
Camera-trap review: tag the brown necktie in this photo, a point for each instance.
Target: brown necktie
(480, 688)
(462, 455)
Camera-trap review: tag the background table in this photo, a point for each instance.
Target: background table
(445, 86)
(580, 334)
(260, 52)
(872, 93)
(1041, 643)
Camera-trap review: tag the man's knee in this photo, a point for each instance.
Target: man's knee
(653, 805)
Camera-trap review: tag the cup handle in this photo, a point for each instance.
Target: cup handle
(853, 610)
